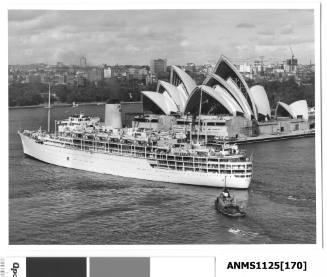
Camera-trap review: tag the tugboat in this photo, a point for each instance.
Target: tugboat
(226, 204)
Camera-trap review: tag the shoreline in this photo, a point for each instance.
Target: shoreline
(267, 138)
(57, 105)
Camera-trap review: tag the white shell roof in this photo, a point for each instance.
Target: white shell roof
(240, 77)
(287, 108)
(229, 99)
(297, 108)
(162, 100)
(261, 100)
(300, 108)
(178, 96)
(220, 95)
(175, 96)
(188, 82)
(234, 91)
(240, 98)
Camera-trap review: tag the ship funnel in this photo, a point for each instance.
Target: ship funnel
(113, 116)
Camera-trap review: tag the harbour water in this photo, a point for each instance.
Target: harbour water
(54, 205)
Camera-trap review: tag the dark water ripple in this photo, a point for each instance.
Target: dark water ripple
(54, 205)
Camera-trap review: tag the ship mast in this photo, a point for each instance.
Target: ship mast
(49, 110)
(199, 116)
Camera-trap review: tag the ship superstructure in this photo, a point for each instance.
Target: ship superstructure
(84, 143)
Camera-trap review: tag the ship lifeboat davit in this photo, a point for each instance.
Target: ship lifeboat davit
(226, 205)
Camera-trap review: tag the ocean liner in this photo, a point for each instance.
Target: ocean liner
(84, 143)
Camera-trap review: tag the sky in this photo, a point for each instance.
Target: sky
(137, 36)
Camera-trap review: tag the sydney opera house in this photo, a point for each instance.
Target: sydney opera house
(225, 103)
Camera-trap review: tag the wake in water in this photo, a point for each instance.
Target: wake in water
(290, 197)
(242, 233)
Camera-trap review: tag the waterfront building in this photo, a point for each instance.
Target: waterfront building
(282, 125)
(223, 91)
(223, 105)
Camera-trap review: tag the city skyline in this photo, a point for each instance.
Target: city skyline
(181, 36)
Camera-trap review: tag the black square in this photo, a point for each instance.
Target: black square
(56, 267)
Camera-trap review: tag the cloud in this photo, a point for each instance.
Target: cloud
(131, 48)
(237, 50)
(286, 30)
(184, 43)
(283, 41)
(266, 32)
(136, 36)
(245, 25)
(68, 55)
(24, 15)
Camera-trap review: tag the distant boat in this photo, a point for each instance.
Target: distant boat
(75, 105)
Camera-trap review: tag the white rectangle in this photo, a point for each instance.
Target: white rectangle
(182, 267)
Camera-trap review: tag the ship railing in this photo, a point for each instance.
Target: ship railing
(201, 168)
(213, 167)
(198, 158)
(169, 161)
(136, 150)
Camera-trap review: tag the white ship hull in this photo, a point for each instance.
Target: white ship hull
(125, 166)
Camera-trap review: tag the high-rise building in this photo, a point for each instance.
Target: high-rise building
(158, 66)
(107, 72)
(82, 61)
(291, 65)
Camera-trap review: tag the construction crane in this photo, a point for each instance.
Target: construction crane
(291, 51)
(292, 57)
